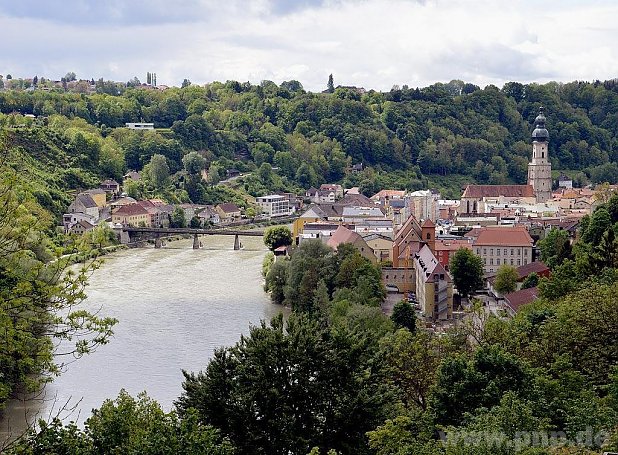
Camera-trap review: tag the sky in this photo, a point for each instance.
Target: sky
(367, 43)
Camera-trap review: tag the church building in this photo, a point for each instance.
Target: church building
(538, 189)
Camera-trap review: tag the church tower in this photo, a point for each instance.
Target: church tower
(539, 169)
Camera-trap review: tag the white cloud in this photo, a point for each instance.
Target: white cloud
(370, 43)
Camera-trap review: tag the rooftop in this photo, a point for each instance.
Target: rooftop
(504, 236)
(481, 191)
(517, 299)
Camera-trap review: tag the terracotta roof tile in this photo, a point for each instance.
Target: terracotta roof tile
(481, 191)
(519, 298)
(504, 236)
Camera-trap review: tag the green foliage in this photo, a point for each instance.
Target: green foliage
(127, 425)
(506, 279)
(277, 236)
(467, 270)
(286, 389)
(531, 281)
(404, 316)
(40, 295)
(464, 385)
(555, 248)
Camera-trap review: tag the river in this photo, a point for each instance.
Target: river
(175, 306)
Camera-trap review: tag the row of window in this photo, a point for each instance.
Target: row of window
(504, 250)
(505, 262)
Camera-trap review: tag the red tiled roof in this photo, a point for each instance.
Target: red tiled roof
(481, 191)
(519, 298)
(342, 235)
(537, 267)
(451, 245)
(428, 223)
(504, 236)
(229, 207)
(131, 210)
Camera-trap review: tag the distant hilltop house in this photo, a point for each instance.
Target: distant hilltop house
(110, 186)
(131, 175)
(140, 126)
(228, 212)
(565, 181)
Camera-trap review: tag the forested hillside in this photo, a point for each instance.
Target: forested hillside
(405, 138)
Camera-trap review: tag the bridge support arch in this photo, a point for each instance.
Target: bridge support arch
(158, 242)
(196, 242)
(236, 243)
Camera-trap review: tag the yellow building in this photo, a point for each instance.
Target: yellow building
(313, 214)
(381, 245)
(133, 215)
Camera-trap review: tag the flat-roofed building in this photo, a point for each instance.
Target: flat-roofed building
(274, 205)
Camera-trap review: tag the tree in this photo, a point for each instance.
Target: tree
(69, 77)
(467, 270)
(555, 248)
(404, 316)
(127, 425)
(277, 236)
(330, 86)
(506, 279)
(193, 163)
(531, 281)
(158, 171)
(287, 388)
(40, 295)
(185, 83)
(178, 218)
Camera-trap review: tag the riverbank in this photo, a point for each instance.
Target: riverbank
(175, 306)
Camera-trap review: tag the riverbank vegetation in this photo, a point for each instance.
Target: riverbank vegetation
(39, 294)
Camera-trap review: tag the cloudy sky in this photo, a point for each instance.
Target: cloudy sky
(368, 43)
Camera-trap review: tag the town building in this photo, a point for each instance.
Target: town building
(511, 245)
(424, 205)
(84, 203)
(228, 212)
(434, 286)
(513, 302)
(132, 215)
(110, 186)
(381, 245)
(539, 169)
(445, 248)
(475, 197)
(274, 205)
(345, 235)
(335, 188)
(565, 181)
(81, 227)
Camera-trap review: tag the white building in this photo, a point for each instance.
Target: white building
(274, 205)
(140, 126)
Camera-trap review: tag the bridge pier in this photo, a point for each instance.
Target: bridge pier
(158, 242)
(196, 242)
(236, 243)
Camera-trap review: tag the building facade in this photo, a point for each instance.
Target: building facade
(434, 286)
(274, 205)
(503, 246)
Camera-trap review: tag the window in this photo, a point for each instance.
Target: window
(484, 250)
(511, 251)
(428, 236)
(498, 261)
(518, 261)
(511, 261)
(498, 251)
(525, 261)
(525, 252)
(505, 252)
(478, 251)
(491, 251)
(491, 262)
(485, 261)
(518, 252)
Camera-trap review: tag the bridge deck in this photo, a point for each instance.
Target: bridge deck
(193, 231)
